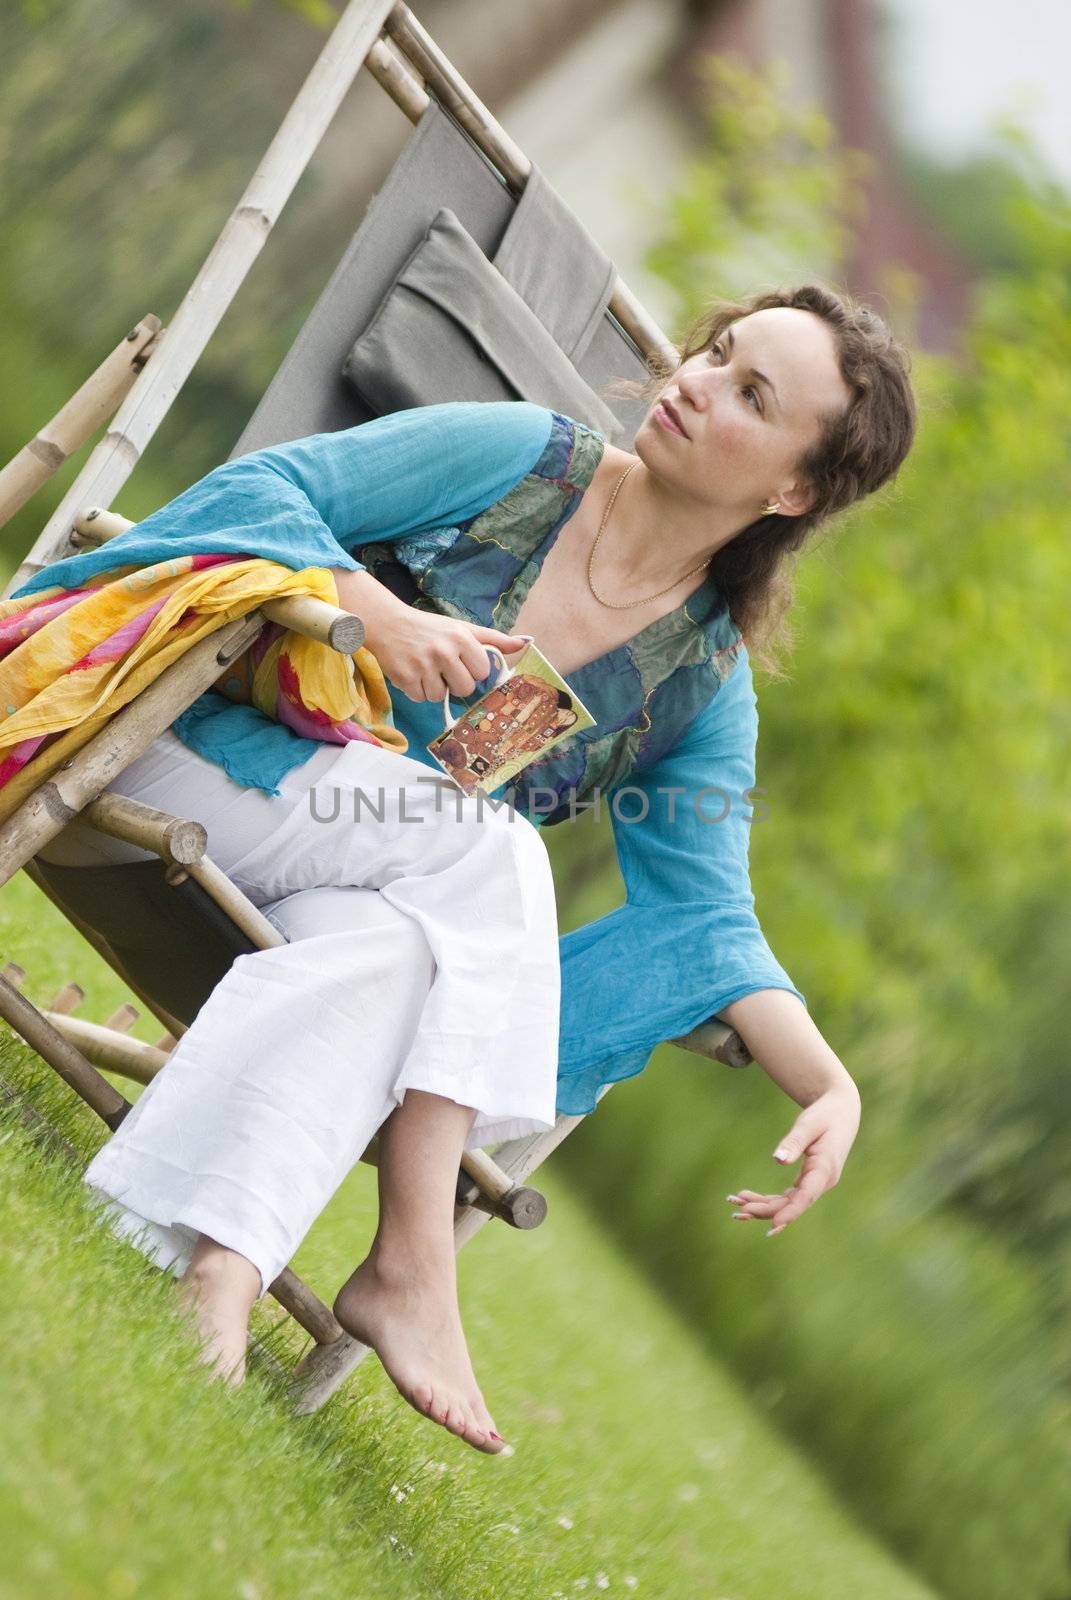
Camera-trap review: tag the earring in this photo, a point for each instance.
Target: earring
(771, 510)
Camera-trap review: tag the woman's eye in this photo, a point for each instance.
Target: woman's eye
(754, 401)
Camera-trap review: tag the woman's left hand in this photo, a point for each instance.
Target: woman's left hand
(823, 1134)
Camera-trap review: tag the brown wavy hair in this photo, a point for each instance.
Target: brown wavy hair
(859, 449)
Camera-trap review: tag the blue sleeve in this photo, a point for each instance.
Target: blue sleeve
(686, 943)
(308, 502)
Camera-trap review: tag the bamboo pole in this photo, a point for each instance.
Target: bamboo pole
(495, 1191)
(442, 78)
(174, 838)
(394, 75)
(454, 94)
(67, 999)
(218, 281)
(303, 613)
(62, 1055)
(78, 420)
(242, 912)
(106, 1048)
(481, 1182)
(306, 1308)
(122, 1020)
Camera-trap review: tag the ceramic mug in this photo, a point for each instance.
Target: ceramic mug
(527, 710)
(505, 672)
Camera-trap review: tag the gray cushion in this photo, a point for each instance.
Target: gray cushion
(450, 326)
(556, 267)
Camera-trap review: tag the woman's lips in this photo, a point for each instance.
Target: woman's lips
(668, 419)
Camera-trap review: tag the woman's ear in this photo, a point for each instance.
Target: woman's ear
(795, 498)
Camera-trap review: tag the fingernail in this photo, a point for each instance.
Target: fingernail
(741, 1214)
(780, 1155)
(735, 1199)
(779, 1229)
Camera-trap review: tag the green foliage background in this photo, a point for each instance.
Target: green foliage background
(910, 1334)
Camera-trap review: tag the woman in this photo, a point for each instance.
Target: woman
(638, 574)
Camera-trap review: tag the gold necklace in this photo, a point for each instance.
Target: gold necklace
(626, 605)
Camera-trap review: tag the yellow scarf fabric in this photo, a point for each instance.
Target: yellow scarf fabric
(70, 659)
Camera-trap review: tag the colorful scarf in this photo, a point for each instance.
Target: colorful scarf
(71, 658)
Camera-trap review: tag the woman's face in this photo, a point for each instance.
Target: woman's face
(749, 405)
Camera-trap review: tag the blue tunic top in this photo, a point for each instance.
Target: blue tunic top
(468, 498)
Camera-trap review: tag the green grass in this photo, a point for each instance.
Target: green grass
(641, 1466)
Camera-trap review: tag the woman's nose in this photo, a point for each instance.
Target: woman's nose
(695, 388)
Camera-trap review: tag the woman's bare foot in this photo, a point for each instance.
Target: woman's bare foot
(219, 1289)
(407, 1312)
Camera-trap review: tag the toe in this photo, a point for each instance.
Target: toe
(440, 1409)
(434, 1405)
(422, 1397)
(475, 1430)
(457, 1420)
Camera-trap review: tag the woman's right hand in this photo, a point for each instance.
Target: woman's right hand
(425, 655)
(422, 653)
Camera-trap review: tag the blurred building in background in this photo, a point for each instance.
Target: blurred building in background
(835, 50)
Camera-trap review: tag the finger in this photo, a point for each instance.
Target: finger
(410, 687)
(800, 1135)
(433, 686)
(475, 659)
(460, 680)
(761, 1205)
(504, 641)
(810, 1187)
(753, 1197)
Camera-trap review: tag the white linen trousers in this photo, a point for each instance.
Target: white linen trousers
(423, 954)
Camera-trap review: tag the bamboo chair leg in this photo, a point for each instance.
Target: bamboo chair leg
(63, 1056)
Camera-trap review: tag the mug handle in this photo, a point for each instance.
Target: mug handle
(505, 671)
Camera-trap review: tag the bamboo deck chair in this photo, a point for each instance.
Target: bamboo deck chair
(466, 252)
